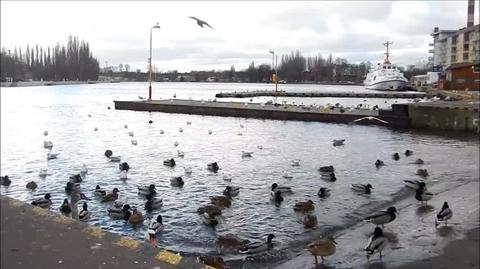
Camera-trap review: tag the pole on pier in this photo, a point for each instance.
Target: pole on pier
(156, 26)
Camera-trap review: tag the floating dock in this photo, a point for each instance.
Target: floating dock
(397, 117)
(248, 94)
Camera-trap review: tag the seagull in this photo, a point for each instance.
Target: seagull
(371, 118)
(201, 23)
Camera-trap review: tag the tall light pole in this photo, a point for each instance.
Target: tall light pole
(274, 76)
(156, 26)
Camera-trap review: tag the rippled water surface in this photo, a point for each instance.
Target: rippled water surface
(63, 111)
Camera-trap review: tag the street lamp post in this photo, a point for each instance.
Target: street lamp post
(156, 26)
(274, 69)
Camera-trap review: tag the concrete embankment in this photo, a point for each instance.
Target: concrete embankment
(32, 237)
(454, 115)
(394, 118)
(248, 94)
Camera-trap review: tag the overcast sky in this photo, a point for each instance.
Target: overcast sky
(118, 31)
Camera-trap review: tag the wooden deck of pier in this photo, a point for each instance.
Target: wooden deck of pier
(250, 94)
(270, 111)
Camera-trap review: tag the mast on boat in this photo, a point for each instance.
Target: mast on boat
(387, 61)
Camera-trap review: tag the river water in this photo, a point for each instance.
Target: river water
(64, 111)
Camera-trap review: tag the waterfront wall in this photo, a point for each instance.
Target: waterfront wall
(283, 112)
(445, 117)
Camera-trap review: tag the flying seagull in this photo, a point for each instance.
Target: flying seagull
(201, 23)
(371, 118)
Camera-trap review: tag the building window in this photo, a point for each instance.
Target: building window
(465, 46)
(454, 40)
(466, 36)
(454, 58)
(465, 56)
(460, 80)
(454, 50)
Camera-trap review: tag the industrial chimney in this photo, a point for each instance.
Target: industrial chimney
(471, 8)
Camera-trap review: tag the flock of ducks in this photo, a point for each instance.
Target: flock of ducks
(209, 213)
(377, 241)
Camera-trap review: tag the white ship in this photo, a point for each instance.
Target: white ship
(386, 76)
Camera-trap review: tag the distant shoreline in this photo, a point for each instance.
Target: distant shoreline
(54, 83)
(50, 83)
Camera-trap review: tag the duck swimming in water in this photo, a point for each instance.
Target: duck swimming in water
(120, 213)
(276, 196)
(213, 167)
(256, 247)
(282, 189)
(32, 185)
(418, 161)
(295, 163)
(212, 210)
(408, 152)
(99, 191)
(310, 221)
(330, 176)
(147, 190)
(379, 163)
(338, 142)
(231, 191)
(209, 219)
(65, 207)
(111, 196)
(170, 162)
(383, 217)
(47, 144)
(323, 248)
(376, 243)
(362, 188)
(304, 206)
(177, 181)
(136, 218)
(323, 192)
(51, 156)
(124, 166)
(84, 213)
(327, 169)
(43, 202)
(153, 203)
(396, 156)
(5, 181)
(75, 179)
(415, 184)
(155, 227)
(221, 201)
(444, 215)
(422, 172)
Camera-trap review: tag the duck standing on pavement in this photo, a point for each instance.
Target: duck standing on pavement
(444, 215)
(383, 217)
(376, 243)
(323, 248)
(256, 247)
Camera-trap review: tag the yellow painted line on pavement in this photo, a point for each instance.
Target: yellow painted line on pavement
(40, 211)
(15, 203)
(128, 243)
(63, 220)
(94, 231)
(168, 257)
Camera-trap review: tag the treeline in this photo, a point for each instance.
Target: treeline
(71, 62)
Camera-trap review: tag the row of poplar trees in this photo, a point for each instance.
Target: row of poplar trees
(72, 62)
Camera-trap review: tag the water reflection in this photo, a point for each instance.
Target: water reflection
(64, 110)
